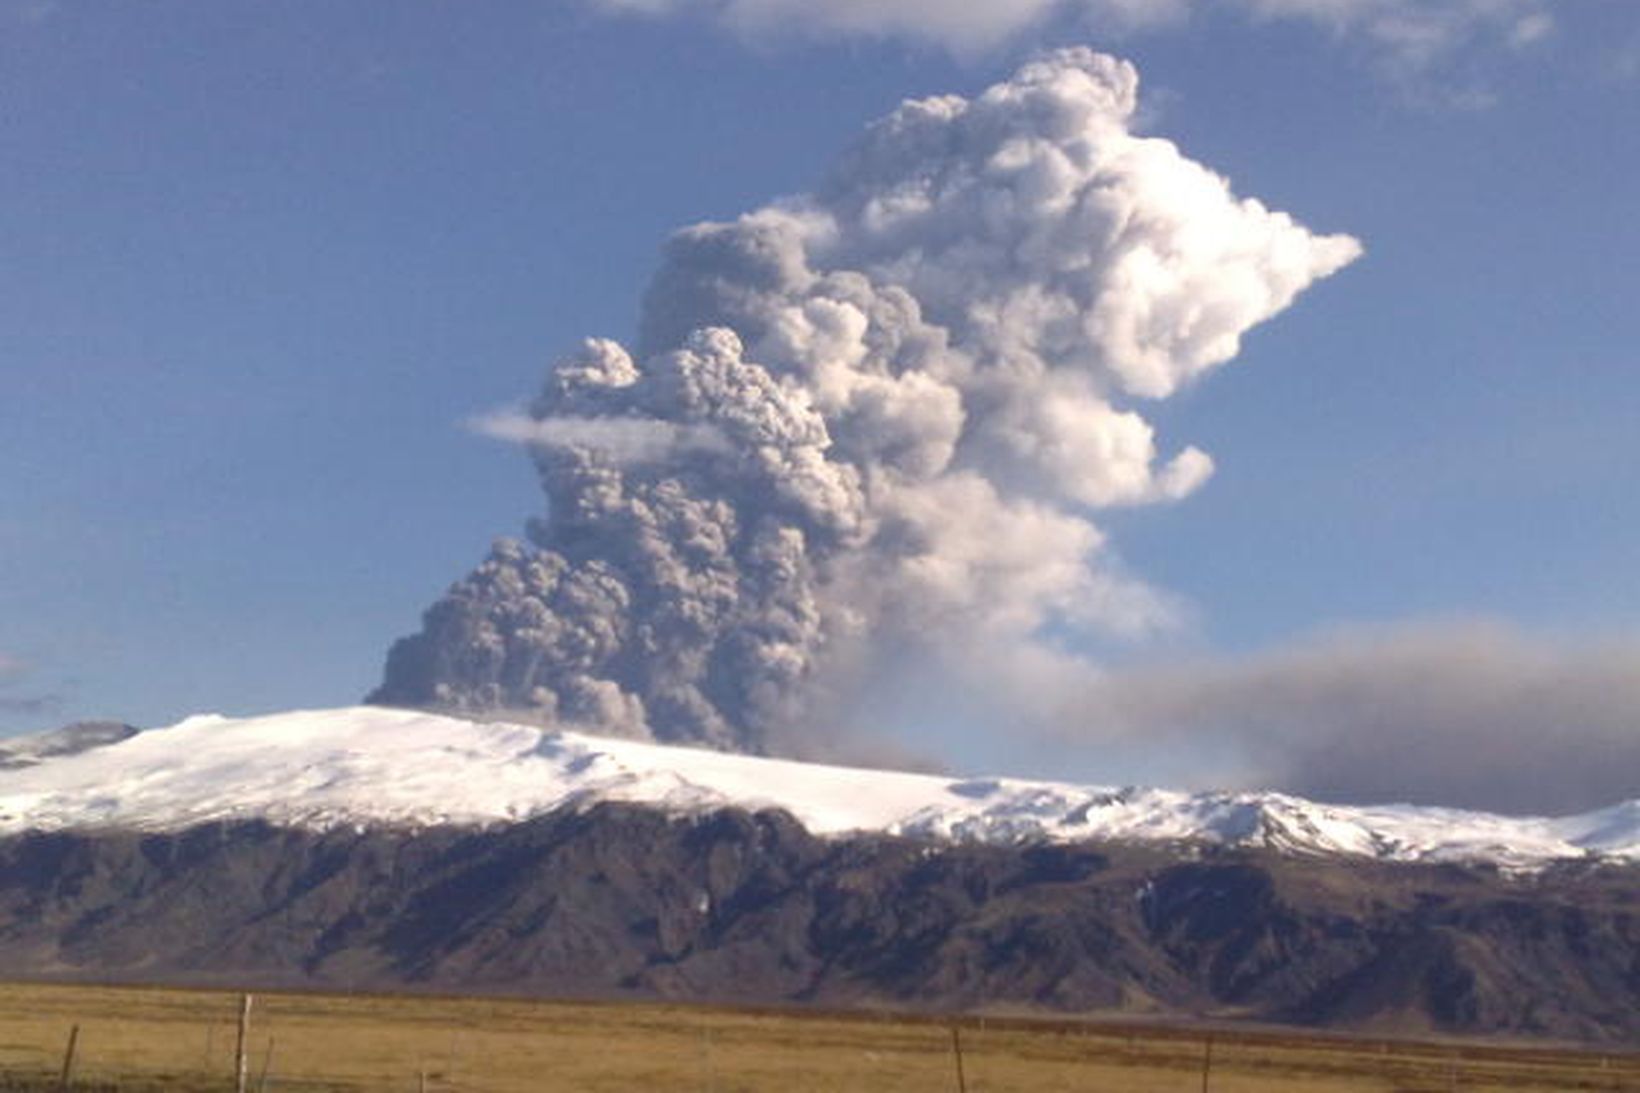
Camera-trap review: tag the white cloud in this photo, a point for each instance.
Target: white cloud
(1531, 28)
(1412, 31)
(957, 25)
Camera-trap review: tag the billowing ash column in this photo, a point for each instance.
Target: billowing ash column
(870, 424)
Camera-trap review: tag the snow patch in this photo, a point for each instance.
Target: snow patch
(375, 767)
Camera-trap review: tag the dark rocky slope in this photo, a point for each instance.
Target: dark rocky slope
(734, 906)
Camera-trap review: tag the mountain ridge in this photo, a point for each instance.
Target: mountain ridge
(625, 901)
(382, 767)
(367, 848)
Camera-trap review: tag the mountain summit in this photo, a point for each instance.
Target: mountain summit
(372, 767)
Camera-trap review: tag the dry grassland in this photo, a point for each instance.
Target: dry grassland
(138, 1039)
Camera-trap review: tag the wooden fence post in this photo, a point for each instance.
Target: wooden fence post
(68, 1058)
(956, 1053)
(241, 1063)
(1207, 1063)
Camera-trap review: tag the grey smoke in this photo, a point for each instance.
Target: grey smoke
(29, 705)
(14, 671)
(73, 739)
(1469, 714)
(872, 422)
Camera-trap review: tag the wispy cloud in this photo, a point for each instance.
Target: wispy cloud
(30, 13)
(1418, 30)
(1621, 62)
(1412, 32)
(620, 440)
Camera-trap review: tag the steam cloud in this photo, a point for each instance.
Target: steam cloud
(872, 421)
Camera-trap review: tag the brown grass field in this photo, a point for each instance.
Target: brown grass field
(138, 1039)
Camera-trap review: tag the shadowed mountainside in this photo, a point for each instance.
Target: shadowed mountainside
(736, 906)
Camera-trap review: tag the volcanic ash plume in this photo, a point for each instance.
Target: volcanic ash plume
(868, 423)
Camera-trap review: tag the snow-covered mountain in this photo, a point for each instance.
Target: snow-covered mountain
(370, 767)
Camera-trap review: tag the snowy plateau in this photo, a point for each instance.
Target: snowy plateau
(378, 768)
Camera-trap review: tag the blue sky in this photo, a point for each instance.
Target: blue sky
(259, 262)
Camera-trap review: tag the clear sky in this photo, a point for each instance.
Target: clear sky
(259, 262)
